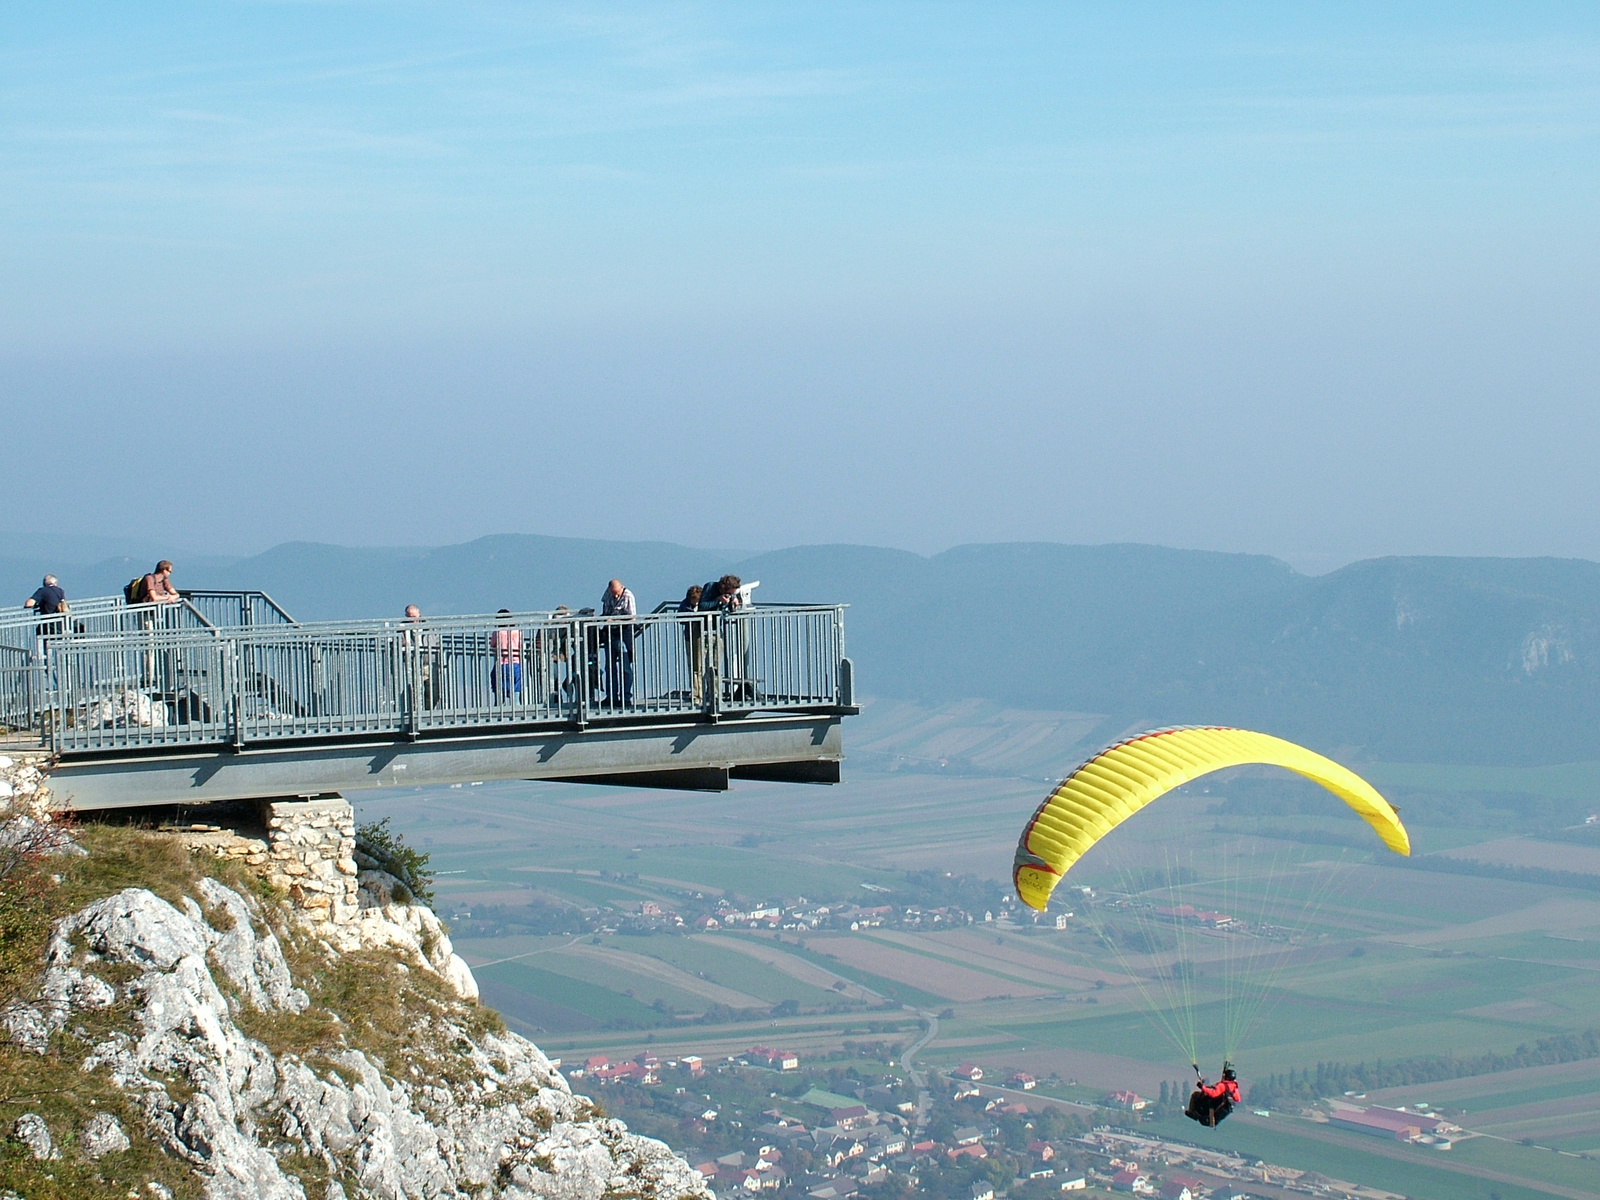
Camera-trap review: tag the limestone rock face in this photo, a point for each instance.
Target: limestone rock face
(23, 782)
(495, 1121)
(385, 922)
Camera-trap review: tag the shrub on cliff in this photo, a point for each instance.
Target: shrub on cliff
(406, 863)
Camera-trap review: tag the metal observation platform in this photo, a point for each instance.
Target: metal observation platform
(225, 697)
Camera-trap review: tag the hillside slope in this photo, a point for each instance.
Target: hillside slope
(172, 1025)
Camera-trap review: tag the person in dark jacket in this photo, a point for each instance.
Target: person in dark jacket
(1210, 1103)
(694, 641)
(48, 600)
(721, 594)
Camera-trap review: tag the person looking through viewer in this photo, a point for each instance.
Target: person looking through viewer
(617, 638)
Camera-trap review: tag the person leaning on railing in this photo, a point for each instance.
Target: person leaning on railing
(158, 587)
(552, 659)
(724, 596)
(49, 600)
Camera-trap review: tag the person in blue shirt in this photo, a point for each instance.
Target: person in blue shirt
(49, 600)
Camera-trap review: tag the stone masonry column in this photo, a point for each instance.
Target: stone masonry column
(311, 848)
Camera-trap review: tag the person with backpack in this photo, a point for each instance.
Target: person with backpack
(158, 587)
(154, 588)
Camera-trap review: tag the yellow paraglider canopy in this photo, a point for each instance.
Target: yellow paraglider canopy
(1116, 783)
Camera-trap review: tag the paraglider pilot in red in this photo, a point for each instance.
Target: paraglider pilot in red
(1210, 1103)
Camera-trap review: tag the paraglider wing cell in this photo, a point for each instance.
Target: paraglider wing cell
(1118, 782)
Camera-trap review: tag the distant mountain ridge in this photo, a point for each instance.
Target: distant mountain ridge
(1464, 660)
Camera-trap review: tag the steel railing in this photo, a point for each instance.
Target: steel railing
(10, 611)
(27, 629)
(246, 684)
(32, 631)
(21, 690)
(227, 609)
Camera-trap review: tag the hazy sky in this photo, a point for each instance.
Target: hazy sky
(1312, 280)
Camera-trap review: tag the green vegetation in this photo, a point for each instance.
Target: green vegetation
(1486, 1101)
(1574, 781)
(719, 964)
(401, 860)
(1332, 1079)
(1420, 1173)
(1529, 1162)
(610, 1009)
(902, 993)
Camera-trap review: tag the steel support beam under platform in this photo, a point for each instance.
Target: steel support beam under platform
(697, 756)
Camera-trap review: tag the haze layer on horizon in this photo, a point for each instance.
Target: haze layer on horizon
(1318, 283)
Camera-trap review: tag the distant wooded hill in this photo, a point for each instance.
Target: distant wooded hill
(1493, 661)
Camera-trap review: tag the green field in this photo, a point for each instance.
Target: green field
(597, 1004)
(905, 993)
(1417, 1173)
(719, 964)
(1567, 781)
(1485, 1100)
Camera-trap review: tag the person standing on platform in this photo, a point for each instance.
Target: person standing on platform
(505, 647)
(423, 646)
(49, 600)
(618, 602)
(694, 639)
(158, 587)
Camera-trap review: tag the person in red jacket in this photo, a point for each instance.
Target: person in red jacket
(1210, 1103)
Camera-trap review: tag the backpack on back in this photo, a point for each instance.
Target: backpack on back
(134, 592)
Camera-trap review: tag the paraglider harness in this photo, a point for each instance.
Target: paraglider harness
(1211, 1103)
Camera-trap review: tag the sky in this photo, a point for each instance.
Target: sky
(1314, 280)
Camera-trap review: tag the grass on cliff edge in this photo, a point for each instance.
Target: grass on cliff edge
(402, 1018)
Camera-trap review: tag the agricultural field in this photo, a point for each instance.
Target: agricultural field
(1349, 954)
(1533, 852)
(1513, 1173)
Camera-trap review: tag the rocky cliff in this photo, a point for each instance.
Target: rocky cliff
(182, 1023)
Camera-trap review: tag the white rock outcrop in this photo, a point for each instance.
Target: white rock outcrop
(339, 893)
(23, 780)
(103, 1135)
(383, 921)
(494, 1121)
(33, 1133)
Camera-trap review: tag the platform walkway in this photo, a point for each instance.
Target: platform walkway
(225, 696)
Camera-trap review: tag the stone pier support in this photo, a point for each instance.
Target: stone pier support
(311, 846)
